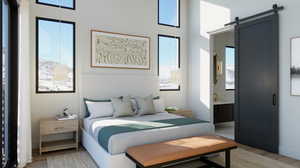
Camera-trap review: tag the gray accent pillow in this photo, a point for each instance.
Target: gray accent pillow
(134, 105)
(145, 105)
(122, 107)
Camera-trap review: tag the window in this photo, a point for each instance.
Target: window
(5, 82)
(168, 62)
(169, 12)
(55, 56)
(68, 4)
(229, 68)
(9, 82)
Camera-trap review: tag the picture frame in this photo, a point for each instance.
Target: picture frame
(118, 50)
(295, 66)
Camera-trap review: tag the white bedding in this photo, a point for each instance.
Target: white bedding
(120, 142)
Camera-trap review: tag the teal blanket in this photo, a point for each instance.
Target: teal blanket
(107, 132)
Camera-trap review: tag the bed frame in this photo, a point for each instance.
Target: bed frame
(118, 85)
(101, 157)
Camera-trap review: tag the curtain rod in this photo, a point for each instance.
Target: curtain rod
(275, 9)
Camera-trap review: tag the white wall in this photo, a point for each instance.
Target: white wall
(221, 40)
(138, 17)
(202, 18)
(207, 15)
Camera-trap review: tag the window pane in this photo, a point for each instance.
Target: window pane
(5, 82)
(169, 12)
(229, 56)
(67, 3)
(168, 62)
(62, 3)
(56, 53)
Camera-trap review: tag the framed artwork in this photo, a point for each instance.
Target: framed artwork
(295, 66)
(116, 50)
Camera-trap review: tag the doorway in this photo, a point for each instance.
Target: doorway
(223, 53)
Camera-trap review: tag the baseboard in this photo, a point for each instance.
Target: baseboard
(292, 153)
(22, 165)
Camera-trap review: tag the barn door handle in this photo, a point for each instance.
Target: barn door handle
(274, 99)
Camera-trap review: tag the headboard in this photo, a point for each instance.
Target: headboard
(108, 86)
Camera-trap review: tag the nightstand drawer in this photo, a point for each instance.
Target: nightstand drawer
(54, 126)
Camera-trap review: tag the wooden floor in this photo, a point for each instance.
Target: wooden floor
(48, 160)
(284, 159)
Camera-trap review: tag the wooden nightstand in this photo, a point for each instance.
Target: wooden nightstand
(53, 127)
(184, 113)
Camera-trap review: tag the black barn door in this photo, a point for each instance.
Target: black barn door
(256, 106)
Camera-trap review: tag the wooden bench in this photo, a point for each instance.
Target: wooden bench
(165, 153)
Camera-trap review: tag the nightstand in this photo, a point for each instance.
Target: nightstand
(49, 127)
(184, 113)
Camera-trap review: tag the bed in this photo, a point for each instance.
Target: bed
(113, 155)
(106, 86)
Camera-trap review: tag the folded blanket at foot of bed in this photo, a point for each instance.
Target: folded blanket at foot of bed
(107, 132)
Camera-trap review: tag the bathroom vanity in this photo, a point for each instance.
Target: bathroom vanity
(223, 112)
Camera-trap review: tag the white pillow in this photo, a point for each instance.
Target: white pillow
(100, 109)
(159, 105)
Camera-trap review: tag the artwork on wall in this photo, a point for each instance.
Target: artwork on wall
(295, 66)
(116, 50)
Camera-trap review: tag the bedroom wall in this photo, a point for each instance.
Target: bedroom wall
(137, 17)
(220, 42)
(207, 15)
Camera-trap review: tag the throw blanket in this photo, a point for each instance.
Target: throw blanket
(107, 132)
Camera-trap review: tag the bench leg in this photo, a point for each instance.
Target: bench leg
(227, 159)
(209, 164)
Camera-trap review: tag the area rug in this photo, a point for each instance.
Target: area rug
(240, 158)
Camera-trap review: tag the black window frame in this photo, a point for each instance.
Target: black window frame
(178, 11)
(179, 55)
(13, 77)
(37, 55)
(58, 6)
(225, 67)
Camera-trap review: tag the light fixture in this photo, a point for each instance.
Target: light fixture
(219, 68)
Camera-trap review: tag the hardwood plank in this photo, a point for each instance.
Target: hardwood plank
(240, 159)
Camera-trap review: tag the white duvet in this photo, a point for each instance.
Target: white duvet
(120, 142)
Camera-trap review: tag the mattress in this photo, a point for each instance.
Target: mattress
(119, 143)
